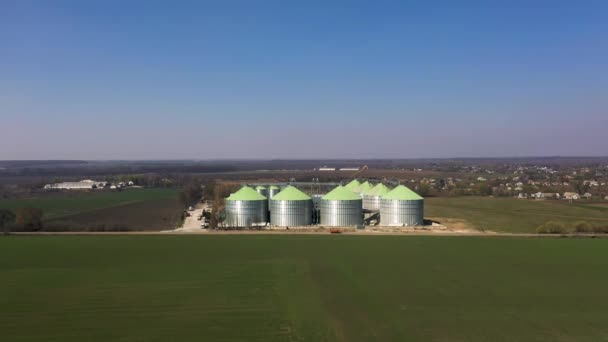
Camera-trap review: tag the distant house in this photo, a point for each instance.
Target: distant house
(587, 195)
(571, 196)
(325, 168)
(481, 179)
(522, 195)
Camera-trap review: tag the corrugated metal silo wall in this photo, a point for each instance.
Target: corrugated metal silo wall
(401, 212)
(341, 213)
(371, 202)
(246, 213)
(291, 213)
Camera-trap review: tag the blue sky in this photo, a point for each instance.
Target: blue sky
(302, 79)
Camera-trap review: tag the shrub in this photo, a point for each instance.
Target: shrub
(601, 229)
(551, 227)
(583, 227)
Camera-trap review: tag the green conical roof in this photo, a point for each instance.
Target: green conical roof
(260, 187)
(353, 184)
(379, 190)
(272, 187)
(291, 193)
(246, 194)
(362, 188)
(341, 193)
(402, 193)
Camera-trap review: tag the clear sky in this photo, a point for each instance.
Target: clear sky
(302, 79)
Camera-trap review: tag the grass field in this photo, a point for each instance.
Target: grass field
(133, 209)
(511, 214)
(302, 288)
(64, 204)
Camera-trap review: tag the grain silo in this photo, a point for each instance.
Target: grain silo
(262, 190)
(352, 185)
(362, 189)
(246, 208)
(401, 207)
(341, 207)
(290, 208)
(273, 190)
(371, 198)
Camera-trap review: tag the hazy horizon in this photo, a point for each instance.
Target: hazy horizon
(111, 80)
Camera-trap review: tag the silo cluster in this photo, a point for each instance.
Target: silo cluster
(291, 207)
(246, 208)
(401, 207)
(341, 207)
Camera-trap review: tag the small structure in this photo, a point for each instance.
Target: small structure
(571, 196)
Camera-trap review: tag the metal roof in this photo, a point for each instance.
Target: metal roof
(363, 188)
(379, 190)
(352, 185)
(260, 187)
(291, 193)
(402, 193)
(273, 187)
(341, 193)
(246, 194)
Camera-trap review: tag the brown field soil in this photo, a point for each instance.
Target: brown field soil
(149, 215)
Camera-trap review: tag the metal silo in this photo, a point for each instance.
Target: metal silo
(401, 207)
(352, 185)
(246, 208)
(341, 207)
(262, 190)
(273, 190)
(291, 207)
(362, 188)
(371, 198)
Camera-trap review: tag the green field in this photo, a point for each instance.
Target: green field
(64, 204)
(302, 288)
(511, 214)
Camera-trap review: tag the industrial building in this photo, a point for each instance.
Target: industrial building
(86, 184)
(246, 208)
(401, 207)
(340, 208)
(344, 206)
(291, 207)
